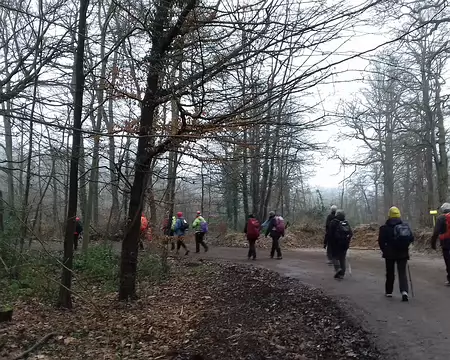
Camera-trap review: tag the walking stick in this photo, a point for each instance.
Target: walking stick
(349, 264)
(410, 281)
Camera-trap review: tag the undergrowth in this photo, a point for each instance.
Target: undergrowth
(36, 274)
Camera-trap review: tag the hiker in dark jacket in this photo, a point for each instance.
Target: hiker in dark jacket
(340, 235)
(330, 217)
(252, 230)
(394, 253)
(442, 231)
(77, 233)
(275, 235)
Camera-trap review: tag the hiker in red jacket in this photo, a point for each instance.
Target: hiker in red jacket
(442, 232)
(252, 229)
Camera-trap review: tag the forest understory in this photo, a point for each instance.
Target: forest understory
(202, 310)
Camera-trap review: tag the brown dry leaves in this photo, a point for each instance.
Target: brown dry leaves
(216, 311)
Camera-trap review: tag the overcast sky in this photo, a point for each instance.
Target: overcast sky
(327, 170)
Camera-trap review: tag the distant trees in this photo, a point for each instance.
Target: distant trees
(400, 117)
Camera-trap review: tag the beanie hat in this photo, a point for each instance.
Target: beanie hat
(394, 213)
(179, 214)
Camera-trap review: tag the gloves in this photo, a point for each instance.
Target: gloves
(433, 246)
(324, 246)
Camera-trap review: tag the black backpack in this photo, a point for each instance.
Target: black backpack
(344, 234)
(403, 236)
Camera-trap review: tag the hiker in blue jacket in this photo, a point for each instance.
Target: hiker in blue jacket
(275, 233)
(180, 228)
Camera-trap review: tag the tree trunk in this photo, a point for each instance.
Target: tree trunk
(441, 157)
(6, 107)
(65, 298)
(83, 183)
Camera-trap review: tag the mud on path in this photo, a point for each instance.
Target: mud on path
(418, 330)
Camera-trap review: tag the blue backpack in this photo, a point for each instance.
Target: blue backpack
(204, 227)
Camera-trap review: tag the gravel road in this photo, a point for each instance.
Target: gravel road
(417, 330)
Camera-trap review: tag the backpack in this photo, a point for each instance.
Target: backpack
(204, 227)
(184, 224)
(403, 236)
(279, 224)
(253, 228)
(344, 233)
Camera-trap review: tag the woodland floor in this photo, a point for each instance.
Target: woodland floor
(213, 310)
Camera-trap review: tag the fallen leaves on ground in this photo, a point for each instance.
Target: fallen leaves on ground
(215, 311)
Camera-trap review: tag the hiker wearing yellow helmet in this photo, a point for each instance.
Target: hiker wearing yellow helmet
(394, 239)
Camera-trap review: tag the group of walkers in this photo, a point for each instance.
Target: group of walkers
(178, 228)
(273, 226)
(394, 240)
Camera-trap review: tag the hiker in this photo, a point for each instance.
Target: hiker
(275, 229)
(252, 229)
(340, 235)
(330, 217)
(180, 228)
(200, 227)
(394, 239)
(143, 231)
(442, 231)
(78, 232)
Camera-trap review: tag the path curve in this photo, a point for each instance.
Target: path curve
(418, 330)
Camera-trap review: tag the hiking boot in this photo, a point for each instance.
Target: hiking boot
(405, 296)
(339, 274)
(279, 258)
(186, 253)
(447, 283)
(254, 258)
(206, 249)
(388, 295)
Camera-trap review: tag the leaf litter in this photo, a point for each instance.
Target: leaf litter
(204, 311)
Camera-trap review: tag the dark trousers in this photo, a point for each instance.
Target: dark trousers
(446, 255)
(252, 248)
(75, 241)
(199, 240)
(181, 244)
(340, 261)
(275, 246)
(329, 255)
(390, 275)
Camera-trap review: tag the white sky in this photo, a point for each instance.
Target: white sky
(327, 170)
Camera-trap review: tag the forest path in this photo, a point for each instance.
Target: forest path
(416, 330)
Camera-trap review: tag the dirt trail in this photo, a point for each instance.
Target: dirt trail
(418, 330)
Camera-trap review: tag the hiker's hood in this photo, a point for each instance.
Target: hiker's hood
(393, 221)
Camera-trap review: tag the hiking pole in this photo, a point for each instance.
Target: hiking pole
(349, 264)
(410, 281)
